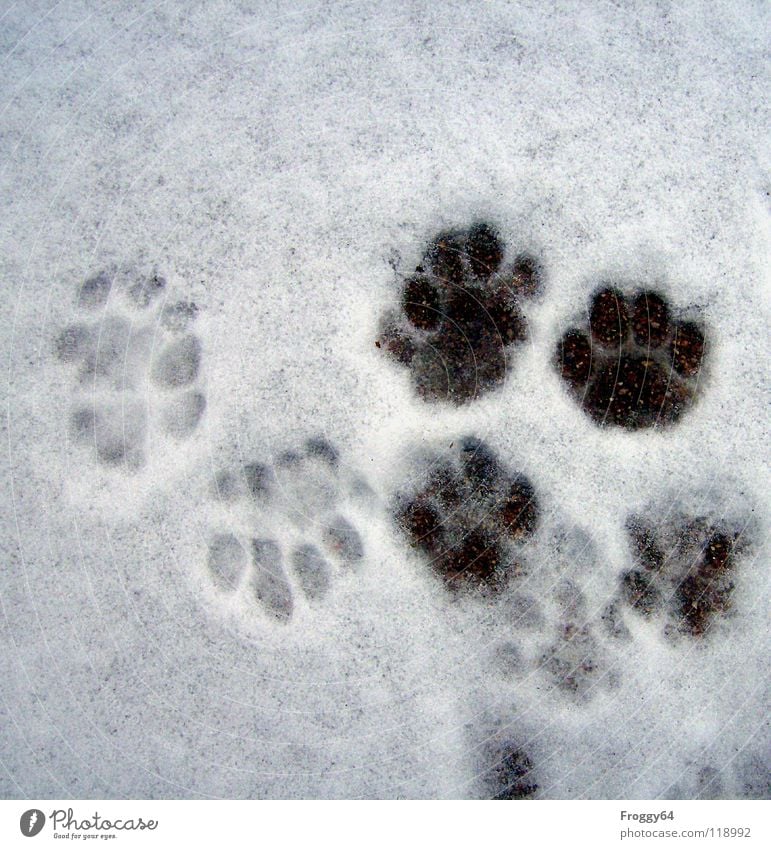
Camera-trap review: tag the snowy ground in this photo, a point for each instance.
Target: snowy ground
(280, 168)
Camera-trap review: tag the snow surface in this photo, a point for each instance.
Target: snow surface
(280, 164)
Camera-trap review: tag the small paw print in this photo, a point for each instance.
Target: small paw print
(460, 319)
(288, 534)
(575, 662)
(634, 366)
(508, 772)
(683, 570)
(552, 631)
(470, 517)
(136, 368)
(571, 661)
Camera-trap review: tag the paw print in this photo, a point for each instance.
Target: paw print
(550, 632)
(572, 661)
(683, 570)
(470, 518)
(136, 368)
(507, 771)
(634, 366)
(286, 531)
(459, 319)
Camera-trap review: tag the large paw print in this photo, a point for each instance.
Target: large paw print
(285, 531)
(683, 571)
(470, 517)
(136, 368)
(634, 366)
(460, 319)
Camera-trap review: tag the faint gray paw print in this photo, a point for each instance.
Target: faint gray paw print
(136, 368)
(287, 534)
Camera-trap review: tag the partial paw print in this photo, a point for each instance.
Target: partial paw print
(460, 319)
(508, 771)
(548, 631)
(575, 662)
(286, 531)
(136, 368)
(470, 518)
(683, 572)
(725, 776)
(634, 366)
(699, 782)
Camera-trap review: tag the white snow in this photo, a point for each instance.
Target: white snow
(275, 165)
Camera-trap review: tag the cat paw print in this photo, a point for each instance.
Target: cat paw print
(470, 518)
(286, 532)
(459, 319)
(506, 770)
(575, 663)
(136, 368)
(634, 366)
(683, 572)
(550, 633)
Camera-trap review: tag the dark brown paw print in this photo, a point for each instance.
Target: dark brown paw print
(459, 318)
(470, 517)
(634, 366)
(683, 569)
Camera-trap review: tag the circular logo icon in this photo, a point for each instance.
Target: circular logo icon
(32, 822)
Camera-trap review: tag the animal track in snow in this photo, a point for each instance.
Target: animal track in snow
(508, 772)
(136, 368)
(459, 319)
(632, 365)
(469, 517)
(473, 520)
(544, 629)
(575, 662)
(285, 533)
(683, 571)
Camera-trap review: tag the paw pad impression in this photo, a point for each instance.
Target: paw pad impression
(683, 569)
(459, 318)
(470, 517)
(634, 366)
(125, 354)
(286, 535)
